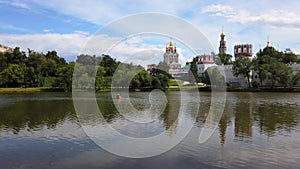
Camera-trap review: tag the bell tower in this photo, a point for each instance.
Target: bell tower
(222, 47)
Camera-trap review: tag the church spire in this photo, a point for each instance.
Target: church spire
(268, 42)
(222, 47)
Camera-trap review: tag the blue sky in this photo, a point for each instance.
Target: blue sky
(66, 25)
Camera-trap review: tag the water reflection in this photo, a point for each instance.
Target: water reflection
(32, 114)
(277, 118)
(246, 111)
(256, 130)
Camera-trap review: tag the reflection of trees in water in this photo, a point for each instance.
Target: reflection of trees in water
(107, 108)
(224, 122)
(274, 118)
(271, 118)
(170, 115)
(36, 114)
(243, 120)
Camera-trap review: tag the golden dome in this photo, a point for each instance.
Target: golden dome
(222, 34)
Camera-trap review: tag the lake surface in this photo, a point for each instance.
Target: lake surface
(257, 130)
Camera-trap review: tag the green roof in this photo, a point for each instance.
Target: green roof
(187, 66)
(174, 63)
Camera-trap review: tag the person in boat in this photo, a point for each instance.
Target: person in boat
(119, 96)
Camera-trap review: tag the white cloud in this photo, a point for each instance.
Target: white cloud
(18, 4)
(244, 22)
(67, 45)
(133, 49)
(47, 30)
(277, 18)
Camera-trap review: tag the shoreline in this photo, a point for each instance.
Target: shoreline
(202, 89)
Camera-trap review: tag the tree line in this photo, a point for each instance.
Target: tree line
(272, 67)
(35, 69)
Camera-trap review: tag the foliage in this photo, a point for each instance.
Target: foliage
(242, 66)
(13, 75)
(224, 59)
(49, 70)
(193, 73)
(295, 79)
(272, 65)
(213, 76)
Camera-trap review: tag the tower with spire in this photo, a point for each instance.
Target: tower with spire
(171, 55)
(222, 47)
(171, 59)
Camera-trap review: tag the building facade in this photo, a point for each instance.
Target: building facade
(243, 50)
(171, 59)
(171, 54)
(204, 62)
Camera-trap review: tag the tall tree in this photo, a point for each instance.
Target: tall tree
(242, 66)
(13, 75)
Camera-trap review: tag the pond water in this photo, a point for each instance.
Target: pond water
(257, 130)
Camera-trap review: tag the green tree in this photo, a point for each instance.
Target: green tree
(278, 73)
(272, 65)
(99, 82)
(289, 57)
(135, 82)
(65, 74)
(295, 79)
(155, 83)
(193, 73)
(145, 79)
(242, 66)
(261, 67)
(163, 79)
(3, 61)
(225, 59)
(17, 56)
(205, 77)
(36, 61)
(13, 75)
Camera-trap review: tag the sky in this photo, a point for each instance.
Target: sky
(67, 26)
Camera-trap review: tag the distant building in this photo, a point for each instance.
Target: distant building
(204, 62)
(222, 47)
(171, 54)
(171, 59)
(243, 50)
(5, 49)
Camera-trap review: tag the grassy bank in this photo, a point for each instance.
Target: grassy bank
(263, 89)
(28, 90)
